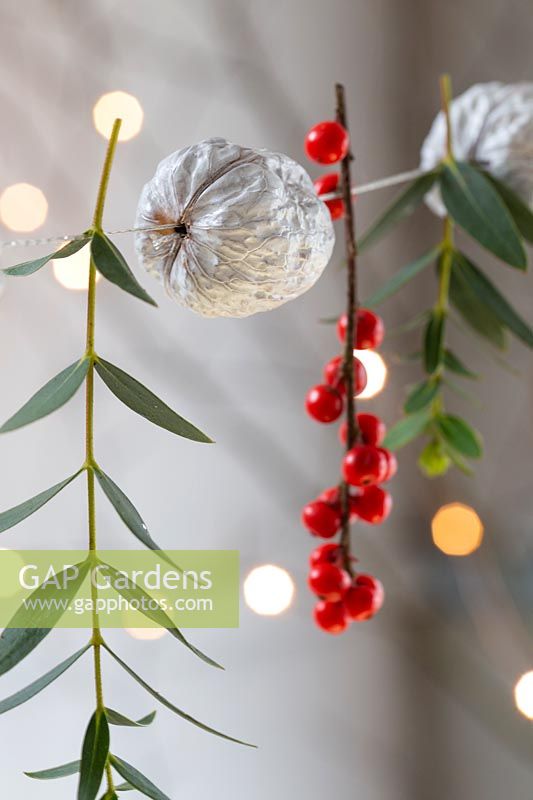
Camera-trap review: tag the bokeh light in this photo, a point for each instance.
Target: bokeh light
(456, 529)
(146, 634)
(376, 372)
(118, 104)
(23, 207)
(73, 272)
(268, 590)
(523, 694)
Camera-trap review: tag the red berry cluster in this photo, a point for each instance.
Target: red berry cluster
(345, 598)
(328, 143)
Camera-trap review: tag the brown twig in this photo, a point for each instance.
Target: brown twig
(351, 328)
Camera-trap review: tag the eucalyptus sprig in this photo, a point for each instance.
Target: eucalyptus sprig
(493, 215)
(18, 640)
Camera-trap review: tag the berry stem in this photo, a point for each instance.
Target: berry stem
(351, 328)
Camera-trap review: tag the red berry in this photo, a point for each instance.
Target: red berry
(322, 519)
(370, 329)
(327, 142)
(326, 184)
(329, 581)
(392, 464)
(373, 504)
(330, 617)
(364, 598)
(324, 403)
(333, 375)
(363, 465)
(333, 497)
(326, 554)
(372, 429)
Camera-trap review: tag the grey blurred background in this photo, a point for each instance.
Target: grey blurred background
(415, 704)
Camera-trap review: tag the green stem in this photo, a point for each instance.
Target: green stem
(90, 463)
(447, 241)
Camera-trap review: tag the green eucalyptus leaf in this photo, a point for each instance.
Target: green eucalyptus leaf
(16, 514)
(421, 396)
(457, 459)
(400, 278)
(157, 615)
(50, 397)
(460, 435)
(17, 643)
(94, 755)
(433, 460)
(41, 683)
(125, 787)
(115, 718)
(476, 206)
(401, 207)
(126, 510)
(407, 429)
(434, 341)
(137, 779)
(520, 211)
(141, 400)
(454, 364)
(63, 771)
(489, 295)
(473, 311)
(29, 267)
(168, 704)
(111, 263)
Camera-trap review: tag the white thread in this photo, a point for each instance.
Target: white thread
(382, 183)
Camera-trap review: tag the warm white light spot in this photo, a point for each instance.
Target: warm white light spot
(10, 585)
(268, 590)
(523, 694)
(73, 272)
(23, 207)
(146, 634)
(118, 104)
(456, 529)
(376, 372)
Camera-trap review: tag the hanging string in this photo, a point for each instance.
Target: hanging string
(382, 183)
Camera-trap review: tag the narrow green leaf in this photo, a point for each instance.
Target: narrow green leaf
(16, 514)
(111, 263)
(115, 718)
(41, 683)
(17, 643)
(476, 206)
(488, 294)
(63, 771)
(125, 787)
(519, 210)
(433, 460)
(454, 364)
(135, 593)
(473, 311)
(460, 435)
(169, 705)
(406, 430)
(127, 512)
(434, 341)
(137, 779)
(421, 396)
(401, 207)
(50, 397)
(93, 756)
(29, 267)
(457, 459)
(141, 400)
(400, 278)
